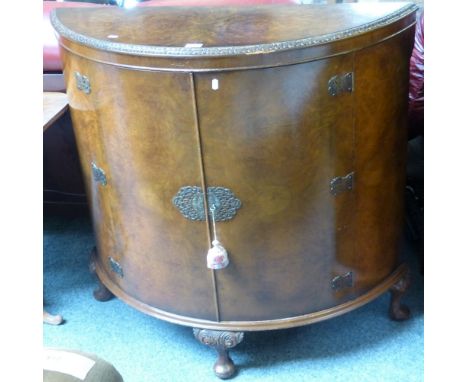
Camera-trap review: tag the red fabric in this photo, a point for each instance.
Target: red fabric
(50, 50)
(212, 3)
(416, 85)
(51, 53)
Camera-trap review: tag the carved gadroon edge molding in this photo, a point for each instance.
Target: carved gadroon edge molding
(162, 51)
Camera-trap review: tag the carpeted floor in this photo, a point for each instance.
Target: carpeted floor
(363, 345)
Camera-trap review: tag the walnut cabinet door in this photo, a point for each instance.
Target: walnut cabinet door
(276, 138)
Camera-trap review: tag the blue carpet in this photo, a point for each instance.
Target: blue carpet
(363, 345)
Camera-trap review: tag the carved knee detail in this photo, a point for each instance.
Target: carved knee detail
(221, 341)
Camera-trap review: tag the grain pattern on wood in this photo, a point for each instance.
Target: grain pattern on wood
(318, 172)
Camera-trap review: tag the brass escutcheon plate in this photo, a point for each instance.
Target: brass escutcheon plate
(190, 201)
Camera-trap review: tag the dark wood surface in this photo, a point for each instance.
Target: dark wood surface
(220, 26)
(381, 143)
(264, 36)
(273, 135)
(276, 137)
(148, 149)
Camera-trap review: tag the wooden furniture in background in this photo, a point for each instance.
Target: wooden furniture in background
(54, 105)
(275, 133)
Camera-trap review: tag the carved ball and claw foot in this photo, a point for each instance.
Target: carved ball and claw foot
(398, 311)
(221, 341)
(101, 293)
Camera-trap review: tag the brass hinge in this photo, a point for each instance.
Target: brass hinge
(342, 183)
(342, 281)
(98, 174)
(82, 83)
(341, 83)
(115, 266)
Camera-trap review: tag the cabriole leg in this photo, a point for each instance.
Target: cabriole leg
(221, 341)
(101, 293)
(398, 311)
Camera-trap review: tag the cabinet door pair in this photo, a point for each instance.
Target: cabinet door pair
(275, 138)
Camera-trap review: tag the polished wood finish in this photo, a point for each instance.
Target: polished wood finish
(280, 165)
(246, 326)
(271, 132)
(259, 27)
(220, 26)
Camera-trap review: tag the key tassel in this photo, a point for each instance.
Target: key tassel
(217, 257)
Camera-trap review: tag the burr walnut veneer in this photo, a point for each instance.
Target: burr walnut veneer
(279, 131)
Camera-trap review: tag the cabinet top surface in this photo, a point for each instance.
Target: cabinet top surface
(221, 31)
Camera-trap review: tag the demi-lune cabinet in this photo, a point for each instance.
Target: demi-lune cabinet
(245, 166)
